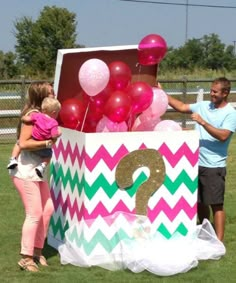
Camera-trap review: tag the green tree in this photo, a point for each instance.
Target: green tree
(213, 52)
(205, 53)
(8, 65)
(39, 41)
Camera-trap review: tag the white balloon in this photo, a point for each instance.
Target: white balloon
(93, 76)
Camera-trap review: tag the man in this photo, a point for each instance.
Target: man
(216, 122)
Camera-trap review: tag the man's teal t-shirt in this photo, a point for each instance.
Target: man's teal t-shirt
(213, 153)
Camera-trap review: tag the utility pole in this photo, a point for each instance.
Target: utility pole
(234, 41)
(186, 23)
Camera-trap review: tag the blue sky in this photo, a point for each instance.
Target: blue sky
(115, 22)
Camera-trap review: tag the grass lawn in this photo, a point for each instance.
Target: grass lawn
(11, 219)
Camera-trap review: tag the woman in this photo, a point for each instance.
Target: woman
(33, 190)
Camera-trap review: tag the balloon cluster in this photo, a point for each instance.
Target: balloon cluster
(111, 102)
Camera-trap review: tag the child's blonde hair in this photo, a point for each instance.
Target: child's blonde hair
(50, 105)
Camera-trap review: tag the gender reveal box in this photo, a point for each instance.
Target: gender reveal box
(83, 179)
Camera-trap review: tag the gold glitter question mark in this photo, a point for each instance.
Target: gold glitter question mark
(150, 158)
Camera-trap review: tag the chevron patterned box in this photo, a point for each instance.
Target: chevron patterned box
(84, 183)
(93, 201)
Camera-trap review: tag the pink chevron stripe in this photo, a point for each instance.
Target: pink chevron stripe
(184, 150)
(68, 152)
(91, 162)
(171, 213)
(82, 213)
(73, 209)
(111, 161)
(102, 153)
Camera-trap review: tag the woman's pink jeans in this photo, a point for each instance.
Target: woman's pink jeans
(38, 207)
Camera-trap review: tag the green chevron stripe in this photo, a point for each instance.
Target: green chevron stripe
(98, 238)
(183, 178)
(60, 226)
(166, 233)
(100, 182)
(110, 189)
(108, 244)
(59, 176)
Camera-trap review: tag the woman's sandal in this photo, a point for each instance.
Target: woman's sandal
(40, 260)
(28, 265)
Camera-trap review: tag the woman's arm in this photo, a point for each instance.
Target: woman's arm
(26, 142)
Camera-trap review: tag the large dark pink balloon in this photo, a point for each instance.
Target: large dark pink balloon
(151, 49)
(141, 95)
(72, 113)
(120, 75)
(118, 106)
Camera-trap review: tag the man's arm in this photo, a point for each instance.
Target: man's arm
(219, 134)
(178, 105)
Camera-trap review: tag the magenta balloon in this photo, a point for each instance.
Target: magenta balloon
(106, 125)
(72, 113)
(120, 75)
(118, 106)
(141, 95)
(159, 103)
(93, 76)
(167, 125)
(151, 49)
(97, 102)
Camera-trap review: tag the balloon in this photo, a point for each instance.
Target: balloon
(93, 76)
(141, 95)
(106, 125)
(118, 106)
(167, 125)
(93, 115)
(145, 123)
(159, 103)
(151, 49)
(90, 124)
(72, 113)
(120, 75)
(98, 101)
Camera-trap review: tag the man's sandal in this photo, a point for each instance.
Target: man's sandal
(40, 260)
(28, 265)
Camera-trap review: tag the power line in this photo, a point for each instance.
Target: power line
(187, 5)
(181, 4)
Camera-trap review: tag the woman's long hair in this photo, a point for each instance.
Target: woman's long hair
(37, 91)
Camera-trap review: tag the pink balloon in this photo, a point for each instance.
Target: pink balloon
(106, 125)
(145, 123)
(141, 95)
(93, 76)
(167, 125)
(120, 75)
(151, 49)
(159, 103)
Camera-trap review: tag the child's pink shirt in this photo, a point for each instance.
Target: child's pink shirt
(44, 127)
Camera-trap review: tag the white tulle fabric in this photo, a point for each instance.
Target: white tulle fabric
(147, 249)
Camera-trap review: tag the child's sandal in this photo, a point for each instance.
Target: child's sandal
(28, 265)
